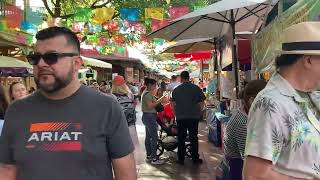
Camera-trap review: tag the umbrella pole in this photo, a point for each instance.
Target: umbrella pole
(234, 53)
(202, 69)
(216, 67)
(220, 69)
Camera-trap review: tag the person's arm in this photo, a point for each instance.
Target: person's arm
(240, 132)
(260, 169)
(265, 140)
(152, 104)
(8, 172)
(124, 168)
(119, 144)
(202, 98)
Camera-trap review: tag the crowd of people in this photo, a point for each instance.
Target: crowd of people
(69, 130)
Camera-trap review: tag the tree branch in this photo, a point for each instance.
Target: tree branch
(54, 4)
(66, 16)
(94, 6)
(57, 8)
(95, 2)
(47, 7)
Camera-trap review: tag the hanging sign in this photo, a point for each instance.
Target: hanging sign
(13, 16)
(267, 43)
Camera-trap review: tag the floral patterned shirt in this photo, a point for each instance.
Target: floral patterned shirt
(283, 129)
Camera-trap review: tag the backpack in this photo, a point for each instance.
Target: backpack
(128, 108)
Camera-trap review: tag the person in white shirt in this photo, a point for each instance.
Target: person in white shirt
(283, 135)
(174, 83)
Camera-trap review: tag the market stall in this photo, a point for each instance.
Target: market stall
(95, 69)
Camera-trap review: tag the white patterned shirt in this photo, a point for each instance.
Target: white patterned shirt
(283, 129)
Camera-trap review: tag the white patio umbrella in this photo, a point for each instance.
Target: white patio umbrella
(215, 20)
(10, 62)
(191, 45)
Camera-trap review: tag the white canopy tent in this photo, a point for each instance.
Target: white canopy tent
(215, 20)
(10, 62)
(190, 45)
(95, 62)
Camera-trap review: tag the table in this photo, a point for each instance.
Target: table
(216, 127)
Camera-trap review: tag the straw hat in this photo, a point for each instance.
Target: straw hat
(302, 38)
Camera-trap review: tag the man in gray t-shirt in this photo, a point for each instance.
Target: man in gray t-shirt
(64, 130)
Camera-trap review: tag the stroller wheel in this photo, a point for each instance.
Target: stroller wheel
(188, 150)
(160, 148)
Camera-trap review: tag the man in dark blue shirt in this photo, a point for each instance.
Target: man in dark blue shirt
(188, 100)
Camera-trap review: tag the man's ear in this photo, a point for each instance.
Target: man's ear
(78, 63)
(306, 61)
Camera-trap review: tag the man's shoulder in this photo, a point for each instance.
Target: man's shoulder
(31, 99)
(271, 93)
(272, 103)
(90, 95)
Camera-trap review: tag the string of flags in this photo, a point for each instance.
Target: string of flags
(35, 16)
(104, 30)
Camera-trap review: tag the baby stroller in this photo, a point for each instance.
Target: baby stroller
(168, 139)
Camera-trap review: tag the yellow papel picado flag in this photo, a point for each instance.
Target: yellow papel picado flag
(102, 15)
(154, 13)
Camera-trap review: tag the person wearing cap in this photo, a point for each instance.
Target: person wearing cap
(121, 92)
(236, 130)
(283, 136)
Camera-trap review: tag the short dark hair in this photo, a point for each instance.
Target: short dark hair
(149, 81)
(52, 32)
(253, 88)
(173, 77)
(286, 60)
(185, 75)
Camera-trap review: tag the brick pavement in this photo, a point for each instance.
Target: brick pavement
(170, 170)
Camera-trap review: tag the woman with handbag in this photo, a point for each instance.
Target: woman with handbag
(121, 92)
(149, 104)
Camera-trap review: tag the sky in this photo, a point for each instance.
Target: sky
(33, 3)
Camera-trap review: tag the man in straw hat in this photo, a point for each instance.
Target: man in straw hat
(283, 139)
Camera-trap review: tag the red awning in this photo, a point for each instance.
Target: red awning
(200, 55)
(181, 55)
(244, 51)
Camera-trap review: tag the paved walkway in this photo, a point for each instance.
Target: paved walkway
(170, 170)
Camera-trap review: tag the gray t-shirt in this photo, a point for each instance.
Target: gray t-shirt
(73, 138)
(187, 97)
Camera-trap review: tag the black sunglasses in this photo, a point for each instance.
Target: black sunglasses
(49, 58)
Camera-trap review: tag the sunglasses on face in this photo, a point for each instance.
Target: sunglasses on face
(49, 58)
